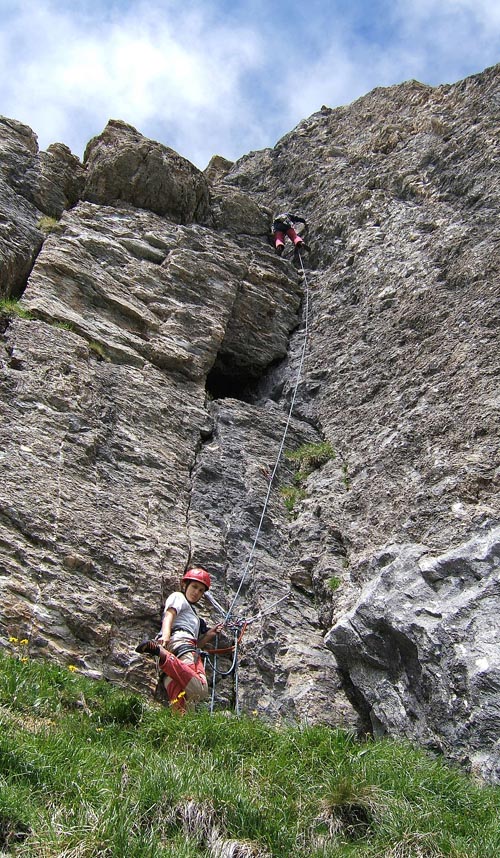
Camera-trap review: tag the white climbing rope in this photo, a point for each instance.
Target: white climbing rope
(238, 624)
(282, 444)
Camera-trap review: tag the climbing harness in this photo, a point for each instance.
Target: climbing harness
(235, 625)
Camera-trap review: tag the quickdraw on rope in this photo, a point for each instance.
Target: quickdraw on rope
(237, 626)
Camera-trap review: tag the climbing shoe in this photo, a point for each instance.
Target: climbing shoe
(280, 249)
(149, 648)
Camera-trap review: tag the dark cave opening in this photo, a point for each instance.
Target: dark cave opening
(222, 384)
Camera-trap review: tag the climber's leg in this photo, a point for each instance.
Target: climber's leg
(279, 242)
(188, 673)
(295, 237)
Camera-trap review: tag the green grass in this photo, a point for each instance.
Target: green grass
(89, 770)
(64, 326)
(10, 307)
(291, 496)
(98, 349)
(48, 224)
(311, 456)
(306, 459)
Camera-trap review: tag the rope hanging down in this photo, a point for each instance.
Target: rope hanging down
(282, 444)
(237, 625)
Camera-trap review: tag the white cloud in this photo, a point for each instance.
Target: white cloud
(144, 67)
(485, 13)
(450, 37)
(207, 78)
(434, 41)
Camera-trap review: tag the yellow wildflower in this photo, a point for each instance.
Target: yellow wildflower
(24, 642)
(13, 640)
(72, 668)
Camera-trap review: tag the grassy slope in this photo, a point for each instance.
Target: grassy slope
(86, 770)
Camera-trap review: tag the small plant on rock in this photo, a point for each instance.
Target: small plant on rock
(10, 307)
(98, 349)
(48, 224)
(345, 476)
(64, 326)
(307, 458)
(310, 457)
(292, 494)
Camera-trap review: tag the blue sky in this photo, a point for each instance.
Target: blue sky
(223, 77)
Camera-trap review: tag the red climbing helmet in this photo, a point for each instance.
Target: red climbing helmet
(198, 574)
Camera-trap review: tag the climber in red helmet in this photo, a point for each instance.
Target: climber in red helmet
(283, 225)
(182, 633)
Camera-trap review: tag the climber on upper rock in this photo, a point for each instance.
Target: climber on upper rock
(283, 225)
(176, 647)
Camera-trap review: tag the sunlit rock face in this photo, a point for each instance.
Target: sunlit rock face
(122, 165)
(33, 185)
(146, 396)
(420, 648)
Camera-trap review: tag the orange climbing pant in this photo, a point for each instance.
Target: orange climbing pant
(185, 680)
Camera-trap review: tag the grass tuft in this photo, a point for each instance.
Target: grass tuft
(48, 224)
(306, 459)
(10, 308)
(98, 350)
(291, 496)
(309, 457)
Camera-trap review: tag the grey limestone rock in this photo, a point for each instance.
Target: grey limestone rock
(217, 168)
(179, 297)
(61, 180)
(420, 648)
(32, 184)
(230, 482)
(88, 521)
(123, 165)
(51, 181)
(236, 212)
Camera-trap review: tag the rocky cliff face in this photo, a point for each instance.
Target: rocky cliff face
(145, 397)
